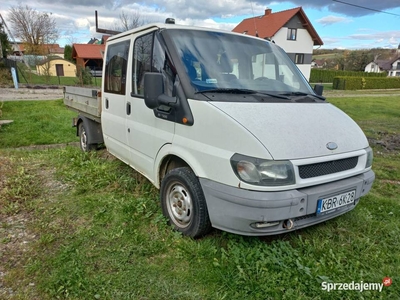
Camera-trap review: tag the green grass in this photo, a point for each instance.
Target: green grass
(376, 116)
(100, 233)
(36, 123)
(32, 79)
(326, 56)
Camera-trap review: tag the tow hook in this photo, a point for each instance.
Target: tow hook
(288, 224)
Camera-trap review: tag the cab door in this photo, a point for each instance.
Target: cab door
(146, 133)
(114, 102)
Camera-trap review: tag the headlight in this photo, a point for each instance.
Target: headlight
(370, 157)
(261, 171)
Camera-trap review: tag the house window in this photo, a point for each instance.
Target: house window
(292, 34)
(299, 59)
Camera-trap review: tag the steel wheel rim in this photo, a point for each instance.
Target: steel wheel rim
(83, 139)
(179, 204)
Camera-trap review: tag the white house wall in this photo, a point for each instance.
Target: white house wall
(395, 68)
(302, 45)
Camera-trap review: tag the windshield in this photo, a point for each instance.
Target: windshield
(218, 62)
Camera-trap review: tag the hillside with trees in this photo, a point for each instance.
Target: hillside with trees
(351, 60)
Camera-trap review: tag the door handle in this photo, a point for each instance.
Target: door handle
(107, 104)
(128, 108)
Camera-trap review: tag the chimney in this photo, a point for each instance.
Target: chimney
(268, 11)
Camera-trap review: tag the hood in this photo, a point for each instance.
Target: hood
(297, 130)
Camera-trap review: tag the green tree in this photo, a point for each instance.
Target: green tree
(68, 53)
(358, 59)
(5, 44)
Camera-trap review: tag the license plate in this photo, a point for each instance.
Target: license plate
(331, 203)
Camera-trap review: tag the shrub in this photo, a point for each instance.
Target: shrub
(327, 76)
(5, 75)
(84, 76)
(359, 83)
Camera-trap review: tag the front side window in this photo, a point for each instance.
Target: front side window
(115, 69)
(292, 34)
(141, 62)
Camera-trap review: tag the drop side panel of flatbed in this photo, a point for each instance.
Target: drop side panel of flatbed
(84, 101)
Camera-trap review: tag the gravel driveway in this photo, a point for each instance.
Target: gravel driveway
(23, 93)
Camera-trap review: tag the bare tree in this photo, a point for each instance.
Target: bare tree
(33, 28)
(129, 21)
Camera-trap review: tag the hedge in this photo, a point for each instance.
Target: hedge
(327, 76)
(359, 83)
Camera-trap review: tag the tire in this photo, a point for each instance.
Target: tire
(184, 204)
(83, 139)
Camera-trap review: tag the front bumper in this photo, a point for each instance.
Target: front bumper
(258, 213)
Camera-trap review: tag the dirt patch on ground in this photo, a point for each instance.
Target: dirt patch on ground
(17, 236)
(390, 142)
(31, 93)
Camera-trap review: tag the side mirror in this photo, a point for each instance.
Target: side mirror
(318, 89)
(153, 88)
(154, 91)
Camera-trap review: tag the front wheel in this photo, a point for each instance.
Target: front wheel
(83, 139)
(183, 203)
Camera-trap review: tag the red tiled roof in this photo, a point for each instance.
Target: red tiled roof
(269, 24)
(49, 48)
(92, 51)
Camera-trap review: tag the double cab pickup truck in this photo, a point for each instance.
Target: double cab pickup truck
(227, 128)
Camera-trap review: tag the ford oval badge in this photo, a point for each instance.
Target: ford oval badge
(331, 146)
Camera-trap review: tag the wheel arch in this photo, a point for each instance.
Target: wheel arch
(170, 157)
(94, 131)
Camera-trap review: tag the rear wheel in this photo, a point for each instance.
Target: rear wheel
(83, 139)
(183, 202)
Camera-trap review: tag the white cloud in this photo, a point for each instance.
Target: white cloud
(329, 20)
(82, 23)
(394, 41)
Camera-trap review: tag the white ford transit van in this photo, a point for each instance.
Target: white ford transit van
(228, 129)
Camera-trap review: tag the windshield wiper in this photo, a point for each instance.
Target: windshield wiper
(228, 90)
(303, 94)
(242, 91)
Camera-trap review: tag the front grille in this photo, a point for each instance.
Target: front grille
(328, 167)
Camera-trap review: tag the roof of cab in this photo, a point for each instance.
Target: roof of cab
(167, 26)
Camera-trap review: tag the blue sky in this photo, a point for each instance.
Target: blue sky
(339, 25)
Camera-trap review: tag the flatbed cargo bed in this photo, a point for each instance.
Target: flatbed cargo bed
(85, 101)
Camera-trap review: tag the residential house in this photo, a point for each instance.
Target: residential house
(43, 49)
(395, 69)
(289, 29)
(56, 66)
(318, 63)
(392, 67)
(94, 41)
(53, 50)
